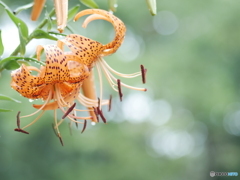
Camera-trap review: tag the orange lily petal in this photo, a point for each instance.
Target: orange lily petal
(61, 8)
(85, 49)
(37, 9)
(88, 88)
(118, 25)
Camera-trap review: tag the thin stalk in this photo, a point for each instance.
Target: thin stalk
(40, 26)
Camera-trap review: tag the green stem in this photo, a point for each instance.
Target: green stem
(41, 25)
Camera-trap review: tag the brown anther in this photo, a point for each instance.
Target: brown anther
(75, 120)
(60, 138)
(110, 103)
(76, 123)
(144, 71)
(84, 126)
(101, 115)
(119, 89)
(18, 119)
(21, 130)
(69, 110)
(96, 113)
(98, 102)
(18, 125)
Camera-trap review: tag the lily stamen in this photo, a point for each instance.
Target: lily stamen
(18, 119)
(35, 120)
(60, 138)
(110, 103)
(144, 71)
(84, 126)
(101, 115)
(111, 78)
(18, 125)
(96, 113)
(69, 111)
(119, 89)
(46, 102)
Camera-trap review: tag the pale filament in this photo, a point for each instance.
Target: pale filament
(35, 120)
(55, 120)
(62, 104)
(87, 102)
(106, 72)
(110, 78)
(133, 75)
(47, 101)
(59, 97)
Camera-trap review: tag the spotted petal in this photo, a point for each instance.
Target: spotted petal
(118, 25)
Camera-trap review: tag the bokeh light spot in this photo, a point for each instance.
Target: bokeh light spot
(165, 23)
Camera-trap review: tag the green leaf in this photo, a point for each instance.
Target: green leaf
(112, 5)
(4, 5)
(1, 44)
(72, 12)
(23, 62)
(11, 65)
(18, 22)
(6, 98)
(49, 21)
(5, 62)
(70, 29)
(56, 33)
(152, 5)
(89, 3)
(23, 41)
(40, 34)
(21, 8)
(5, 110)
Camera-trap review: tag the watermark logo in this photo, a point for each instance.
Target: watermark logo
(213, 173)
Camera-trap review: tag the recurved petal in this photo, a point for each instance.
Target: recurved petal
(118, 25)
(26, 84)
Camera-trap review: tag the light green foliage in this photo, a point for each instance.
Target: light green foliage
(1, 44)
(89, 3)
(152, 5)
(6, 98)
(6, 63)
(40, 34)
(22, 8)
(112, 5)
(73, 11)
(5, 110)
(18, 22)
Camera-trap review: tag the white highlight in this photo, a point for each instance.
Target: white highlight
(165, 23)
(136, 107)
(161, 112)
(174, 144)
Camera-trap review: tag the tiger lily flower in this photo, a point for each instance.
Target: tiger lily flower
(92, 52)
(58, 84)
(61, 8)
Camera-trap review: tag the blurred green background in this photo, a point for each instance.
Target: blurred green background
(187, 123)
